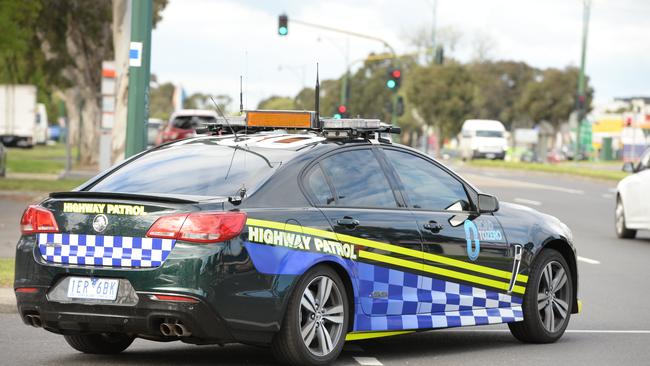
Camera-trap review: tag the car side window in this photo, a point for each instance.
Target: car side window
(318, 186)
(426, 185)
(358, 180)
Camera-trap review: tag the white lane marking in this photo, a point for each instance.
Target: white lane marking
(588, 260)
(368, 361)
(513, 183)
(607, 196)
(527, 202)
(585, 331)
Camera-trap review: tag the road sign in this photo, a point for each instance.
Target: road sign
(135, 54)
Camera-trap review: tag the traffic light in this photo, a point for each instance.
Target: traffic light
(394, 78)
(283, 25)
(341, 111)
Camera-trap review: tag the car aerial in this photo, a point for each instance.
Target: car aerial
(183, 124)
(299, 241)
(632, 206)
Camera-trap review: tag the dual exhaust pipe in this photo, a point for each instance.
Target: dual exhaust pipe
(34, 320)
(174, 330)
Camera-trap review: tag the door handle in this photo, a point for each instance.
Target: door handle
(433, 226)
(348, 222)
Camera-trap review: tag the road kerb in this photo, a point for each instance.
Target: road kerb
(7, 300)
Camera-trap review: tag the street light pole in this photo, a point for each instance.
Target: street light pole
(139, 73)
(582, 99)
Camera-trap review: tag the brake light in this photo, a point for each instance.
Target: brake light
(37, 219)
(173, 298)
(199, 227)
(26, 290)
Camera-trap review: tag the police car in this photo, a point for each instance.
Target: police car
(296, 232)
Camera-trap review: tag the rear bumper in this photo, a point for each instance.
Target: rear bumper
(142, 319)
(235, 302)
(488, 155)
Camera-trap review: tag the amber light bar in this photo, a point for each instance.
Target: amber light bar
(280, 119)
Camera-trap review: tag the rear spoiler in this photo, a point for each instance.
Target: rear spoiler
(118, 195)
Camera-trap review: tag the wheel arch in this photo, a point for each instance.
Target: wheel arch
(569, 255)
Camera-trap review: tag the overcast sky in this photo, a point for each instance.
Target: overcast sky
(205, 45)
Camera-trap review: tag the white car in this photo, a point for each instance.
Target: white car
(632, 203)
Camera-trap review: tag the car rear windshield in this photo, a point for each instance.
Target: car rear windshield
(190, 169)
(489, 133)
(187, 122)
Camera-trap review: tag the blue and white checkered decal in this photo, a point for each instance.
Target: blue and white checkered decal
(420, 302)
(101, 250)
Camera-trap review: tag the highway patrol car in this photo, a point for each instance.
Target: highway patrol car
(296, 232)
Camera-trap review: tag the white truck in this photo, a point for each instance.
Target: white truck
(18, 113)
(483, 138)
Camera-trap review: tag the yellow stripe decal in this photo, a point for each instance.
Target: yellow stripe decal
(405, 251)
(439, 271)
(355, 336)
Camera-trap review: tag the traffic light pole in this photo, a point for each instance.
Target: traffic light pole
(139, 73)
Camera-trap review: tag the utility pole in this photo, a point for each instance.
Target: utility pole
(139, 73)
(582, 98)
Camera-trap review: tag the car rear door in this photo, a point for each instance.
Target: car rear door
(352, 189)
(460, 246)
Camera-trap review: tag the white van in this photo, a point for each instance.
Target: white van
(483, 138)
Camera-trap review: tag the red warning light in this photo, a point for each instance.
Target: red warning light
(342, 109)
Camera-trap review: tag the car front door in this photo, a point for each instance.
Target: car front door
(462, 249)
(353, 191)
(637, 204)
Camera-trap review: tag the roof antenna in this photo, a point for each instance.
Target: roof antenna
(317, 99)
(224, 117)
(241, 96)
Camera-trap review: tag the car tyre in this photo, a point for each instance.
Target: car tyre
(621, 227)
(316, 322)
(102, 343)
(548, 300)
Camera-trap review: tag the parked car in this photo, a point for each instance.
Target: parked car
(632, 204)
(154, 125)
(482, 138)
(183, 124)
(3, 160)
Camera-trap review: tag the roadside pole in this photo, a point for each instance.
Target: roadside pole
(139, 73)
(582, 99)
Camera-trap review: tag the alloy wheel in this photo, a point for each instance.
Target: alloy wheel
(321, 315)
(553, 297)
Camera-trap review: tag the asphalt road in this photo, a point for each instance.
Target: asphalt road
(614, 327)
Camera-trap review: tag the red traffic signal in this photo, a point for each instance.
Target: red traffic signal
(396, 73)
(342, 109)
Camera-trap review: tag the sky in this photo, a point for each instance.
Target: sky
(204, 45)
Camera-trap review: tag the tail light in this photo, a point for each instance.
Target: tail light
(199, 227)
(37, 219)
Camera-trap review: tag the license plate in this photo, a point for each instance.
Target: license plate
(490, 156)
(92, 288)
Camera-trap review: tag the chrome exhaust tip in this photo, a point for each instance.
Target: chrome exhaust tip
(166, 329)
(34, 320)
(181, 331)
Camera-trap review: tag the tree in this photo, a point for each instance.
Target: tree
(443, 95)
(160, 101)
(552, 97)
(203, 101)
(499, 85)
(277, 103)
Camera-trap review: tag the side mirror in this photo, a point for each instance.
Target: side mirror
(628, 167)
(487, 203)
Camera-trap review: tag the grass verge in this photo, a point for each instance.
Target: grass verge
(6, 272)
(560, 168)
(48, 159)
(11, 184)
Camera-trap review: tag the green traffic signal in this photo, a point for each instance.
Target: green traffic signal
(391, 84)
(283, 25)
(337, 116)
(283, 31)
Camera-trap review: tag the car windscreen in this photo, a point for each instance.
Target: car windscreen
(487, 133)
(190, 169)
(188, 122)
